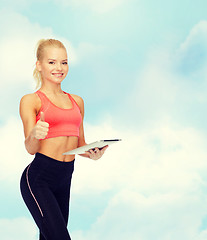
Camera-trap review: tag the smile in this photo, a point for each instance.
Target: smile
(57, 74)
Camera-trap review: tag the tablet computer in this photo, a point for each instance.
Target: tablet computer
(99, 144)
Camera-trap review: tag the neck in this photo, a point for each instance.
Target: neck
(51, 88)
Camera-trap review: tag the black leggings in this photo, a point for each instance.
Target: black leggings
(45, 188)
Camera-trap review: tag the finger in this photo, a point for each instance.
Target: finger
(104, 149)
(91, 151)
(44, 124)
(88, 154)
(44, 130)
(42, 133)
(96, 150)
(91, 154)
(42, 116)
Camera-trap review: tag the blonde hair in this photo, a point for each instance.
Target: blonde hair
(40, 53)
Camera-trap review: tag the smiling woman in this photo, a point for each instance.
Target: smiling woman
(42, 53)
(53, 124)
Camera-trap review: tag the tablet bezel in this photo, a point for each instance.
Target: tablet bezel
(98, 144)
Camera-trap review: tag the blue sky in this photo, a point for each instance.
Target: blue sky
(140, 67)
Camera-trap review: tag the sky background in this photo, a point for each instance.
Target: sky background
(141, 68)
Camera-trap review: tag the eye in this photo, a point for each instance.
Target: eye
(51, 62)
(65, 63)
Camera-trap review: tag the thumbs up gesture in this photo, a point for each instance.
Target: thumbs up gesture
(41, 128)
(42, 117)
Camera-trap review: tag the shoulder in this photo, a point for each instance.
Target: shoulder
(29, 97)
(30, 101)
(78, 99)
(79, 102)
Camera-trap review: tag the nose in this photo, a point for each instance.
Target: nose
(59, 66)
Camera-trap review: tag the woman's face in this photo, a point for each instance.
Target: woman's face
(54, 65)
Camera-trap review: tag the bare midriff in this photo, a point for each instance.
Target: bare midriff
(55, 147)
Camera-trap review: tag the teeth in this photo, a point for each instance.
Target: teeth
(58, 74)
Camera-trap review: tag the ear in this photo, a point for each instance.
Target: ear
(38, 66)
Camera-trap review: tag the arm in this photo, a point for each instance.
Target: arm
(81, 139)
(33, 131)
(96, 154)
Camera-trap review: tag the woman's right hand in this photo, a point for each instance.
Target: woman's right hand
(41, 128)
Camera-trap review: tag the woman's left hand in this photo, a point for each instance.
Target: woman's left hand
(97, 153)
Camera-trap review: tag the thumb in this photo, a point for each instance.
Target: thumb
(42, 116)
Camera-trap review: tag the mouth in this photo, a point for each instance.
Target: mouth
(58, 74)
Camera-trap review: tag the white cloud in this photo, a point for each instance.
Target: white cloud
(135, 216)
(87, 51)
(155, 176)
(155, 91)
(17, 46)
(16, 4)
(156, 173)
(13, 154)
(172, 84)
(18, 229)
(144, 160)
(202, 235)
(98, 6)
(191, 56)
(197, 36)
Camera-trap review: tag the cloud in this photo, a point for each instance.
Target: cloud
(14, 4)
(135, 216)
(157, 181)
(18, 229)
(163, 90)
(17, 45)
(13, 154)
(94, 5)
(144, 160)
(202, 235)
(156, 178)
(87, 51)
(192, 53)
(156, 175)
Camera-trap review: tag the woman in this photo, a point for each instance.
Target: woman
(53, 124)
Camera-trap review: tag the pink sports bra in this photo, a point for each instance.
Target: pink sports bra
(62, 122)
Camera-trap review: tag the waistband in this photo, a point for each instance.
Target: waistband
(51, 168)
(52, 160)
